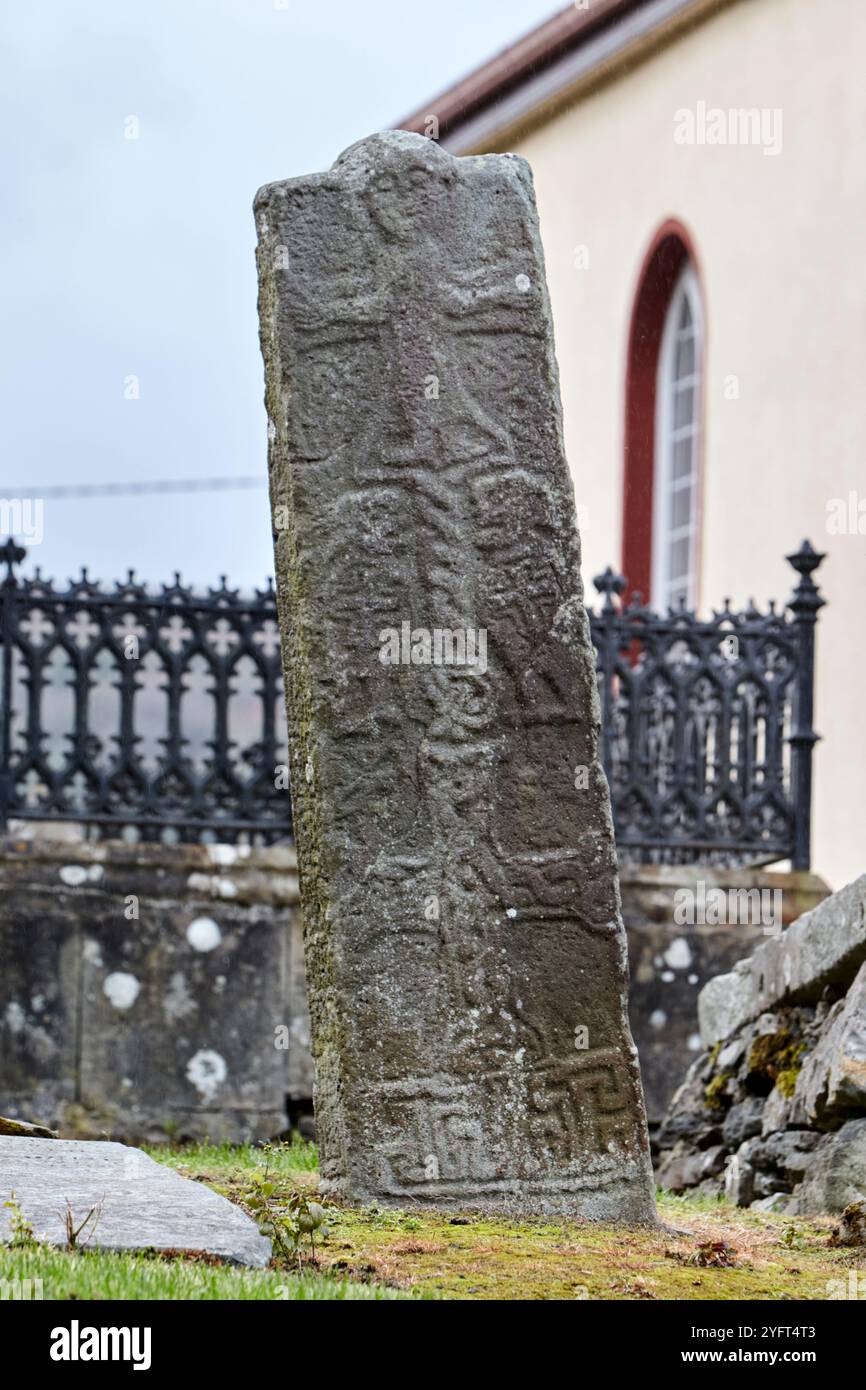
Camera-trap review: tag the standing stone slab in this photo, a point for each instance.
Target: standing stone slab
(465, 952)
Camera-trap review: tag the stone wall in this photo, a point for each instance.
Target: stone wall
(670, 963)
(122, 1025)
(149, 992)
(773, 1110)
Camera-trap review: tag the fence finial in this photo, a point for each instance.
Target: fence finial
(609, 583)
(806, 597)
(11, 554)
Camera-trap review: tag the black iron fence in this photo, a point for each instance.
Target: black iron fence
(155, 715)
(160, 715)
(707, 726)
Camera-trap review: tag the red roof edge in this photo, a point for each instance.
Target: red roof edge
(537, 50)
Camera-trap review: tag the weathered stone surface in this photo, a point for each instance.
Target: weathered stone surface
(139, 1204)
(777, 1201)
(681, 1169)
(788, 1152)
(809, 1103)
(155, 1025)
(713, 1161)
(832, 1081)
(846, 1087)
(689, 1116)
(779, 1112)
(852, 1227)
(824, 947)
(836, 1176)
(743, 1121)
(760, 1168)
(732, 1054)
(740, 1179)
(786, 1076)
(458, 874)
(670, 963)
(722, 1004)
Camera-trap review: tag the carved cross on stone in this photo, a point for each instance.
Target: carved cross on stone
(466, 958)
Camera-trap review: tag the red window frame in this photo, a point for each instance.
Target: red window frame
(668, 251)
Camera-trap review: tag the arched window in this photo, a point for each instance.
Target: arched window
(663, 410)
(677, 425)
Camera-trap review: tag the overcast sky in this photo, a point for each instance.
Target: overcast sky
(135, 257)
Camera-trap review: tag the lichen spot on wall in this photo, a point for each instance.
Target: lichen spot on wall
(207, 1071)
(92, 952)
(15, 1017)
(122, 989)
(678, 955)
(203, 934)
(73, 875)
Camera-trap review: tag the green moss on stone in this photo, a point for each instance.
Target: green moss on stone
(786, 1081)
(714, 1093)
(777, 1056)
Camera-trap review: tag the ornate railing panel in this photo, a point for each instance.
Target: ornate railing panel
(151, 714)
(161, 715)
(707, 726)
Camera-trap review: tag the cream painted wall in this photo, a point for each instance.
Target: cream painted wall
(779, 241)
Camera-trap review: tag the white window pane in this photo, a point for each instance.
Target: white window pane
(684, 407)
(685, 357)
(682, 452)
(678, 397)
(680, 559)
(681, 508)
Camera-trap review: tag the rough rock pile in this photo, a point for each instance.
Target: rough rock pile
(773, 1112)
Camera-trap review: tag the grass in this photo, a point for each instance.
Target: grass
(481, 1257)
(196, 1160)
(709, 1250)
(103, 1275)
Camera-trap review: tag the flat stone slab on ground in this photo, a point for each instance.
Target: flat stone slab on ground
(142, 1204)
